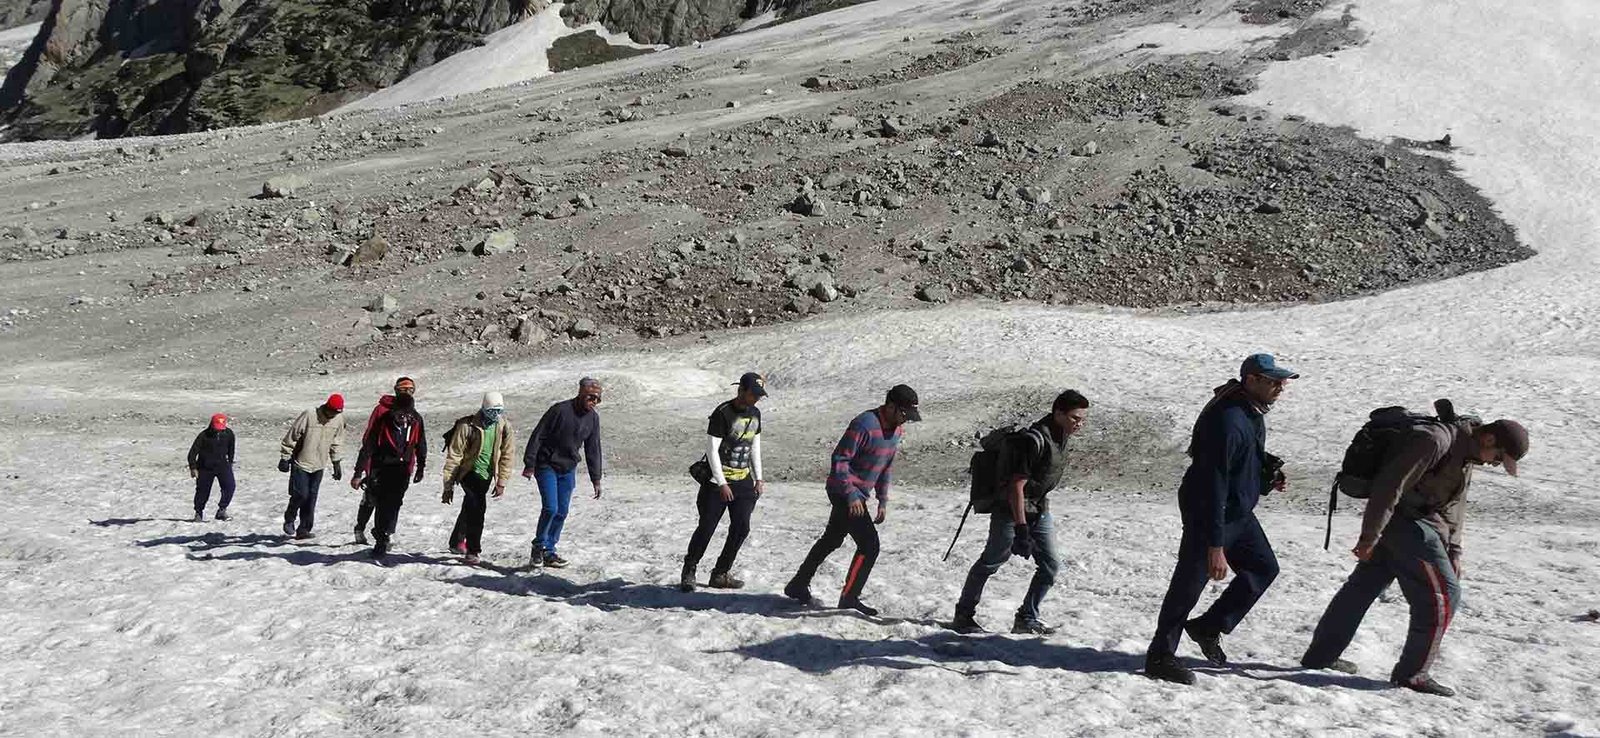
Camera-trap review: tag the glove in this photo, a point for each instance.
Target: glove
(449, 493)
(1021, 541)
(338, 472)
(417, 478)
(283, 465)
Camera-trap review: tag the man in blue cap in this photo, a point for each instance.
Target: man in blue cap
(1229, 471)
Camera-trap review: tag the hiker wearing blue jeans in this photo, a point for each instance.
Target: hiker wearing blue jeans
(568, 428)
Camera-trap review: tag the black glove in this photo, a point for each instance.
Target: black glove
(283, 465)
(415, 478)
(338, 472)
(1021, 541)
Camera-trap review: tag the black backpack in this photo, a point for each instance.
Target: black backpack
(1370, 448)
(985, 465)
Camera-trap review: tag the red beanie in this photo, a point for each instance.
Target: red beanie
(336, 402)
(219, 421)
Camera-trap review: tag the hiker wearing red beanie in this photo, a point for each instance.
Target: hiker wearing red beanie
(311, 444)
(211, 459)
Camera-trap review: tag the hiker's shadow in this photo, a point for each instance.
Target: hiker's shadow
(216, 539)
(821, 654)
(619, 594)
(119, 522)
(260, 546)
(1296, 675)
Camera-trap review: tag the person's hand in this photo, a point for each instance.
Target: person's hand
(194, 473)
(1280, 481)
(1363, 550)
(499, 489)
(858, 509)
(597, 489)
(283, 465)
(1216, 563)
(338, 471)
(355, 481)
(449, 493)
(527, 473)
(727, 493)
(761, 488)
(1021, 541)
(1455, 563)
(417, 478)
(883, 512)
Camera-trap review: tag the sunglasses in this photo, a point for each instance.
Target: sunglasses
(593, 397)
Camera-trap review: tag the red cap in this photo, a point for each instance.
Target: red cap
(336, 402)
(219, 421)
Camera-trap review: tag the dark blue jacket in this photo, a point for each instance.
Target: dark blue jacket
(1225, 477)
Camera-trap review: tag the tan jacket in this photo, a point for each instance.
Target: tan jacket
(313, 440)
(466, 442)
(1425, 480)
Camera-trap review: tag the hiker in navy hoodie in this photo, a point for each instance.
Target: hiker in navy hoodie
(861, 463)
(394, 453)
(211, 459)
(551, 460)
(402, 386)
(1229, 471)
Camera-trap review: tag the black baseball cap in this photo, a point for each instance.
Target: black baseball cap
(753, 382)
(905, 398)
(1512, 438)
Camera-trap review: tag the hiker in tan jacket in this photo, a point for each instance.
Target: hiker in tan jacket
(480, 450)
(310, 445)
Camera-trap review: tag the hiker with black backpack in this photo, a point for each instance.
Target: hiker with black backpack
(1414, 471)
(394, 453)
(1229, 471)
(730, 480)
(402, 386)
(478, 449)
(1027, 464)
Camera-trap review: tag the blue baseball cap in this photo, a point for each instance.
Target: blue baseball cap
(1265, 364)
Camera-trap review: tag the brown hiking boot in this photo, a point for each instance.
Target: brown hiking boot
(724, 580)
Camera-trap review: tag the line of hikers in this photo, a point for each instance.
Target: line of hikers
(1413, 470)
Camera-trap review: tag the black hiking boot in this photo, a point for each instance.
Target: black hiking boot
(361, 537)
(1426, 685)
(798, 592)
(1031, 626)
(552, 561)
(1167, 669)
(965, 624)
(222, 513)
(304, 536)
(686, 581)
(535, 557)
(199, 517)
(1210, 643)
(858, 606)
(380, 550)
(1340, 665)
(288, 529)
(724, 580)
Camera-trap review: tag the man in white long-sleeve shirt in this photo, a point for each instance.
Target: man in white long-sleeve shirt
(733, 450)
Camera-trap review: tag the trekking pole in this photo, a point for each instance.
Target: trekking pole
(959, 526)
(1333, 501)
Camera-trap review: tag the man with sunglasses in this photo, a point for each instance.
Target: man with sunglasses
(861, 462)
(551, 460)
(1227, 475)
(1411, 533)
(403, 387)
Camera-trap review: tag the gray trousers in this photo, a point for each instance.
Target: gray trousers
(998, 551)
(1412, 553)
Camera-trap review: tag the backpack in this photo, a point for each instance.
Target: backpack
(985, 464)
(1370, 448)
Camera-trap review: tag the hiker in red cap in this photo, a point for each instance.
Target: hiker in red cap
(211, 459)
(311, 444)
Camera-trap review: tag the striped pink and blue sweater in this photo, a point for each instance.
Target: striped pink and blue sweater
(863, 458)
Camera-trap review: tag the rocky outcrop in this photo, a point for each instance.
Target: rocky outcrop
(15, 13)
(679, 22)
(126, 67)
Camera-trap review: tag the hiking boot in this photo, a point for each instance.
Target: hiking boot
(471, 559)
(304, 536)
(858, 606)
(552, 561)
(1031, 626)
(361, 537)
(288, 528)
(965, 624)
(535, 557)
(686, 581)
(724, 580)
(460, 546)
(380, 549)
(199, 517)
(1167, 669)
(798, 592)
(222, 513)
(1426, 685)
(1340, 665)
(1210, 643)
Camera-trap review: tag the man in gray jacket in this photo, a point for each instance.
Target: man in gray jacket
(1411, 532)
(311, 444)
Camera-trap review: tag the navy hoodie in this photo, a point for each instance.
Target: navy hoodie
(1225, 479)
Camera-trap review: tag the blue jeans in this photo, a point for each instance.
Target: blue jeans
(998, 551)
(303, 487)
(555, 499)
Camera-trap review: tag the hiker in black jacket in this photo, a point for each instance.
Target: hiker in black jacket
(1229, 471)
(211, 458)
(1031, 465)
(394, 453)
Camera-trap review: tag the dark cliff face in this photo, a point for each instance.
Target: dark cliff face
(15, 13)
(134, 67)
(679, 22)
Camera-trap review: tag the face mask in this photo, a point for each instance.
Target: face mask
(403, 402)
(491, 415)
